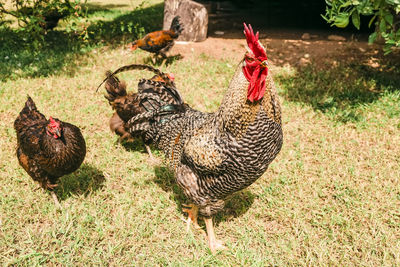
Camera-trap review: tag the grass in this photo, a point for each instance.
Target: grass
(332, 196)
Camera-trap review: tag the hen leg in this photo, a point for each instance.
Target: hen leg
(51, 188)
(154, 59)
(192, 211)
(56, 202)
(213, 243)
(164, 59)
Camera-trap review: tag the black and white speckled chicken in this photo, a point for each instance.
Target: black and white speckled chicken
(216, 154)
(47, 149)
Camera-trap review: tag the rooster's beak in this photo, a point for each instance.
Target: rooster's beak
(264, 64)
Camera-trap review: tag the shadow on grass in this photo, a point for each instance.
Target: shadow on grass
(136, 144)
(94, 8)
(85, 180)
(65, 52)
(342, 91)
(235, 206)
(159, 61)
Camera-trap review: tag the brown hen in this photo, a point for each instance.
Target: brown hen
(47, 149)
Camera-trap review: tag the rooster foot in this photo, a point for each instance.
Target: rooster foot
(192, 211)
(153, 161)
(216, 245)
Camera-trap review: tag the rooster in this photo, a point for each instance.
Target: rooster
(214, 155)
(47, 149)
(159, 42)
(128, 105)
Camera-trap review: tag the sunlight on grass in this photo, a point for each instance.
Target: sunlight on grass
(331, 198)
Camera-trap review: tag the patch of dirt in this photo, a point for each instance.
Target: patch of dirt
(288, 48)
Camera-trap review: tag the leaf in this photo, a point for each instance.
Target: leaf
(355, 18)
(382, 25)
(372, 37)
(389, 18)
(393, 2)
(372, 20)
(342, 20)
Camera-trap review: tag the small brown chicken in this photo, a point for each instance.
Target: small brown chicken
(117, 125)
(47, 149)
(159, 42)
(128, 105)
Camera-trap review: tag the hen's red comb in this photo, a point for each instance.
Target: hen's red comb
(252, 42)
(53, 123)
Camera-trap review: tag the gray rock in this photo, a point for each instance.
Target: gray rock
(194, 18)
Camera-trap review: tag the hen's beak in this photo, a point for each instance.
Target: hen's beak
(58, 132)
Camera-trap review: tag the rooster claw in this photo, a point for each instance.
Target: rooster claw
(192, 211)
(216, 245)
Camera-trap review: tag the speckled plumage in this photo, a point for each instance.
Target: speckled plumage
(216, 154)
(42, 156)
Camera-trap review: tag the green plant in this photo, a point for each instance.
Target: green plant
(37, 17)
(385, 14)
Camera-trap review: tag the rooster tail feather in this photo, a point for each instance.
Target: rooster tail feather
(136, 67)
(176, 25)
(114, 87)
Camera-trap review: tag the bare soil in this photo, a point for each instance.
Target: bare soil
(288, 48)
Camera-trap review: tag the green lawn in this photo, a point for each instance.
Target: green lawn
(331, 197)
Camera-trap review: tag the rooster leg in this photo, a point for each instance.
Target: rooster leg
(212, 241)
(192, 211)
(149, 152)
(56, 202)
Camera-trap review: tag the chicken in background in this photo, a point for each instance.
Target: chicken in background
(128, 105)
(159, 42)
(214, 155)
(47, 149)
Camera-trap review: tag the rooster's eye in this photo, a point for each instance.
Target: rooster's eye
(249, 58)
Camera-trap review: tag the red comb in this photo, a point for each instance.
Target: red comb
(252, 42)
(255, 70)
(53, 123)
